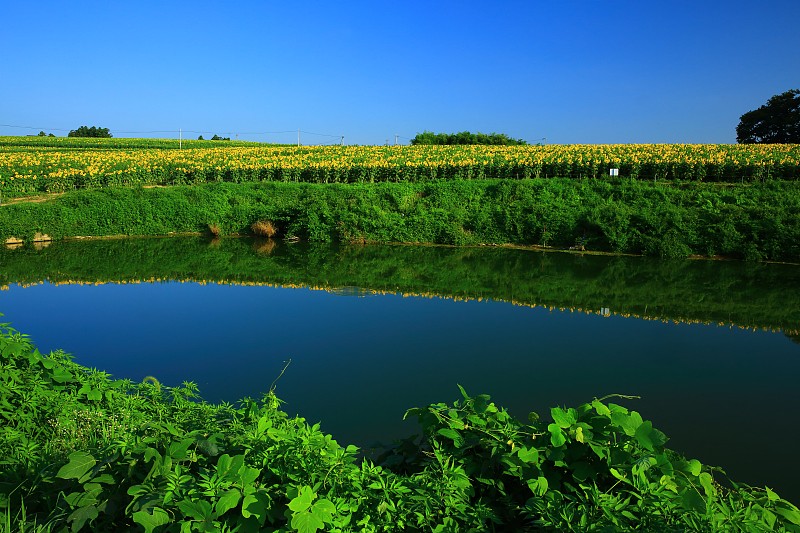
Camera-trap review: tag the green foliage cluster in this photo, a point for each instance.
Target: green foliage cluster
(719, 292)
(777, 121)
(80, 451)
(465, 137)
(750, 221)
(94, 131)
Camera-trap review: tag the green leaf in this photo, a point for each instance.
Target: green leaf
(557, 437)
(148, 521)
(692, 500)
(62, 375)
(256, 505)
(708, 486)
(228, 501)
(306, 522)
(198, 509)
(305, 496)
(81, 515)
(789, 513)
(94, 395)
(453, 435)
(79, 464)
(324, 509)
(642, 435)
(771, 495)
(600, 408)
(538, 486)
(528, 455)
(564, 419)
(463, 392)
(247, 475)
(695, 467)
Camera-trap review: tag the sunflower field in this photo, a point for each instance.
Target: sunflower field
(31, 165)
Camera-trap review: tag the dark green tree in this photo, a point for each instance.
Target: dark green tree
(777, 121)
(465, 137)
(94, 131)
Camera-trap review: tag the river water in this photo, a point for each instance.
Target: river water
(710, 347)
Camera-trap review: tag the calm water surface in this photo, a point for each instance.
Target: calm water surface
(725, 394)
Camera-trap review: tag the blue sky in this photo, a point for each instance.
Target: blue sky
(567, 71)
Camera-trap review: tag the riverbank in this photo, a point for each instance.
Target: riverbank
(82, 451)
(757, 221)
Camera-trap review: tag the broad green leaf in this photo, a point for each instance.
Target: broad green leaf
(642, 435)
(62, 376)
(538, 486)
(228, 501)
(695, 467)
(79, 464)
(771, 495)
(264, 423)
(692, 500)
(81, 515)
(455, 423)
(557, 437)
(564, 419)
(528, 455)
(305, 522)
(247, 475)
(94, 395)
(324, 509)
(179, 450)
(198, 509)
(600, 408)
(579, 435)
(708, 486)
(256, 505)
(480, 403)
(453, 435)
(305, 496)
(148, 521)
(789, 512)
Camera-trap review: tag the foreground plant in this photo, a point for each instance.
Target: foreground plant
(155, 458)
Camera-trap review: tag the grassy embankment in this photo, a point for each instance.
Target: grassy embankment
(751, 221)
(80, 451)
(672, 200)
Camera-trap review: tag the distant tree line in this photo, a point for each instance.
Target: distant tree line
(94, 131)
(465, 137)
(43, 134)
(215, 138)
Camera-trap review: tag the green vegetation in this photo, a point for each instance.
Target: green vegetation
(751, 295)
(465, 137)
(751, 221)
(81, 451)
(94, 131)
(777, 121)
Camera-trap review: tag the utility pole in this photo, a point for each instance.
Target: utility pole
(341, 143)
(180, 138)
(298, 136)
(395, 139)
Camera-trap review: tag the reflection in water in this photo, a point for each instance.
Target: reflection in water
(356, 359)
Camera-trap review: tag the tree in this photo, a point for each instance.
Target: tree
(465, 137)
(200, 138)
(777, 121)
(94, 131)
